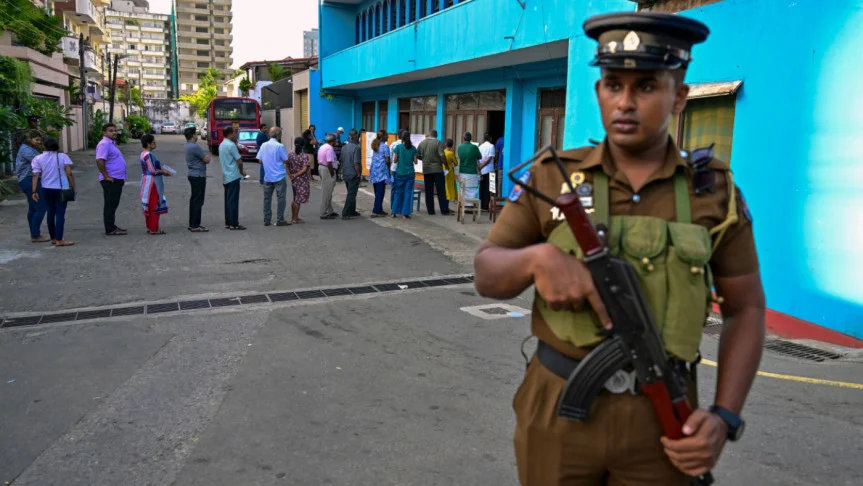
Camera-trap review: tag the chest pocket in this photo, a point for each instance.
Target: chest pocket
(671, 259)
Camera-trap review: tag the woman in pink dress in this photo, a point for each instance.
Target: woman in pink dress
(298, 168)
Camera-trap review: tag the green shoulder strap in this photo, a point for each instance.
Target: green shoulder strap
(600, 199)
(681, 198)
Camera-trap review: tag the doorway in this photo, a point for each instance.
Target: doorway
(476, 113)
(496, 124)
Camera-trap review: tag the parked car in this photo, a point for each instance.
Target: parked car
(190, 125)
(204, 131)
(248, 148)
(169, 127)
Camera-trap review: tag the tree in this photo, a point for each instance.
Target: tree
(200, 100)
(278, 72)
(245, 86)
(31, 26)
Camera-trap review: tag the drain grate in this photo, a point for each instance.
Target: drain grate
(310, 294)
(52, 318)
(160, 308)
(225, 302)
(127, 311)
(168, 307)
(194, 304)
(336, 292)
(283, 297)
(96, 314)
(254, 299)
(800, 351)
(362, 290)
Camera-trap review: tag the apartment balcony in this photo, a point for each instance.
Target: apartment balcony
(152, 29)
(144, 40)
(191, 9)
(192, 57)
(72, 57)
(83, 12)
(155, 76)
(154, 88)
(223, 36)
(197, 23)
(150, 64)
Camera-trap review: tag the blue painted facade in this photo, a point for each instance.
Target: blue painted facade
(797, 114)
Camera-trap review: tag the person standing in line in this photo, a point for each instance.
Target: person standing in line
(337, 148)
(260, 140)
(20, 136)
(152, 190)
(112, 177)
(327, 165)
(36, 208)
(451, 162)
(406, 160)
(486, 166)
(498, 165)
(274, 158)
(311, 149)
(379, 174)
(431, 152)
(52, 172)
(196, 161)
(232, 173)
(469, 155)
(350, 161)
(299, 169)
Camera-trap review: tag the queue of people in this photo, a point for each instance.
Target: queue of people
(43, 171)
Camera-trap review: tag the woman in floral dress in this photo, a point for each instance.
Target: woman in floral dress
(379, 174)
(298, 167)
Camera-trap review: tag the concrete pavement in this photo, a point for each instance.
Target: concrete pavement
(396, 388)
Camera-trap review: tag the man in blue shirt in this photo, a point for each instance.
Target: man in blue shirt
(30, 141)
(259, 141)
(232, 174)
(498, 164)
(273, 158)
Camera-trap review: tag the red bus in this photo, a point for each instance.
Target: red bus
(241, 113)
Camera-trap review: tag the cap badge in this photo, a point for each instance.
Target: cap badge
(631, 41)
(612, 47)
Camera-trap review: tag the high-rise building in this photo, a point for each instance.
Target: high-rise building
(82, 19)
(202, 35)
(142, 39)
(310, 43)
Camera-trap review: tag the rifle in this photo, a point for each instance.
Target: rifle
(633, 340)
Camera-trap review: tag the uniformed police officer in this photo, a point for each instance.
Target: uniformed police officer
(685, 228)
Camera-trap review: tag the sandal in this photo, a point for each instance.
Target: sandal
(64, 243)
(297, 221)
(117, 232)
(237, 228)
(41, 239)
(160, 232)
(199, 229)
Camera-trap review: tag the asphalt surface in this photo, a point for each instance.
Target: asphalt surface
(398, 388)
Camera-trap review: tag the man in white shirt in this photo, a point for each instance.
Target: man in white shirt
(273, 157)
(486, 167)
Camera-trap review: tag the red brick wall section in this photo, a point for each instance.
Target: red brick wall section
(675, 5)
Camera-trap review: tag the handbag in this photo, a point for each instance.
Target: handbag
(68, 194)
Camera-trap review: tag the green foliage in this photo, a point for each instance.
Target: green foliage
(15, 80)
(139, 124)
(74, 90)
(245, 86)
(31, 26)
(278, 72)
(94, 135)
(207, 91)
(136, 98)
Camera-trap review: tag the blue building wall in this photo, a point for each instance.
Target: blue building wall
(797, 116)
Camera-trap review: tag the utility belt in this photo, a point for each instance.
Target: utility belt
(623, 381)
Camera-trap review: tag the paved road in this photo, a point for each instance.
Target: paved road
(396, 388)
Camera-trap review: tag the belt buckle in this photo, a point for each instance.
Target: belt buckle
(621, 382)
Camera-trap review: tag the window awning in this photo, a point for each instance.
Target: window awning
(706, 90)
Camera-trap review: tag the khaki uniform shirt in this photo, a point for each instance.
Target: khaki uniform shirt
(529, 220)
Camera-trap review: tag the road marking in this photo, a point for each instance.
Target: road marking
(801, 379)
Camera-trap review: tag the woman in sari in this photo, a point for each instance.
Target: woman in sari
(450, 164)
(379, 173)
(402, 195)
(153, 199)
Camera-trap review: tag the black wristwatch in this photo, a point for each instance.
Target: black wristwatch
(736, 425)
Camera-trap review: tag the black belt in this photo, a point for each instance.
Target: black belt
(563, 366)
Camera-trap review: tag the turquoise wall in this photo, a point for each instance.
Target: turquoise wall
(469, 30)
(797, 117)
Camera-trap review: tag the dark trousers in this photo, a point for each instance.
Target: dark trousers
(232, 203)
(484, 194)
(432, 182)
(196, 201)
(380, 191)
(35, 210)
(350, 208)
(56, 213)
(111, 191)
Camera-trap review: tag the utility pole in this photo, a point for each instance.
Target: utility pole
(83, 89)
(113, 88)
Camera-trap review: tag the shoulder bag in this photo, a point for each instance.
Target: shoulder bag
(67, 194)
